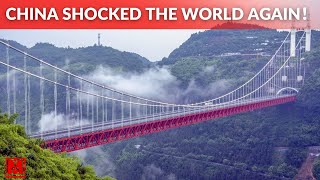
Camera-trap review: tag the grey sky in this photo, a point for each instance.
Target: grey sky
(152, 44)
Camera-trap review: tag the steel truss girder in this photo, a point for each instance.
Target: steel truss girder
(87, 140)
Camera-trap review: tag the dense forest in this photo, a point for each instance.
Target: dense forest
(271, 143)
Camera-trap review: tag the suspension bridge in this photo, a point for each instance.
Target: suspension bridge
(96, 114)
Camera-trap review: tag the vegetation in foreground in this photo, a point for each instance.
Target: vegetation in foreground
(41, 163)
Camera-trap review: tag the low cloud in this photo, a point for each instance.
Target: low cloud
(160, 84)
(50, 121)
(152, 172)
(154, 83)
(208, 69)
(194, 93)
(103, 165)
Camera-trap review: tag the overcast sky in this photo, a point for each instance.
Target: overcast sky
(152, 44)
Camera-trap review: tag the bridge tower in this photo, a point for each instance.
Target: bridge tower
(308, 35)
(293, 42)
(308, 40)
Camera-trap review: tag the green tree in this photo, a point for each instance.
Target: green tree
(41, 163)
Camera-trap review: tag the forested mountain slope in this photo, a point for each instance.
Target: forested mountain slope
(80, 60)
(226, 42)
(266, 144)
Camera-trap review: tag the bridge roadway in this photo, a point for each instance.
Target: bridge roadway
(88, 127)
(89, 135)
